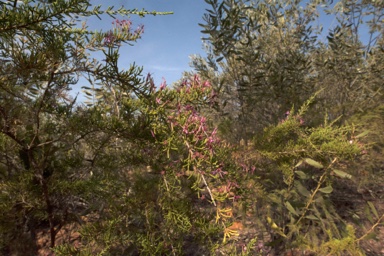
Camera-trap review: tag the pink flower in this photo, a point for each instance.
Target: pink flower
(122, 24)
(163, 85)
(206, 84)
(109, 39)
(185, 129)
(196, 78)
(220, 172)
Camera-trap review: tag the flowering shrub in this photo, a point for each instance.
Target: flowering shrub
(122, 32)
(193, 183)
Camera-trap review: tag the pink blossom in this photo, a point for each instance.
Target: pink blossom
(220, 172)
(196, 78)
(206, 84)
(185, 129)
(109, 39)
(287, 113)
(163, 85)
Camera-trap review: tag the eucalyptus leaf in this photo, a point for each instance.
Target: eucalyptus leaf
(313, 163)
(326, 190)
(299, 163)
(301, 175)
(311, 217)
(373, 209)
(302, 190)
(290, 208)
(342, 174)
(319, 199)
(362, 134)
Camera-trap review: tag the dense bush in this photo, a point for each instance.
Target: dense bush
(145, 170)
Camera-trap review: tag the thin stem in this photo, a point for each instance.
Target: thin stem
(322, 178)
(378, 222)
(209, 190)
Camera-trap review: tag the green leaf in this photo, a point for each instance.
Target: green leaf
(313, 163)
(326, 190)
(301, 175)
(311, 217)
(290, 208)
(274, 198)
(299, 163)
(368, 214)
(275, 227)
(373, 209)
(342, 174)
(302, 190)
(319, 199)
(362, 134)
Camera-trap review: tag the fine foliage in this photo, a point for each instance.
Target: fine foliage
(208, 166)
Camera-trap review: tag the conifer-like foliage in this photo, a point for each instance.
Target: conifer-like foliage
(58, 158)
(209, 166)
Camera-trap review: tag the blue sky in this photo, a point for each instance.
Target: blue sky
(167, 42)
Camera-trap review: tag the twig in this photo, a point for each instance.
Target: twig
(315, 192)
(209, 190)
(371, 229)
(166, 184)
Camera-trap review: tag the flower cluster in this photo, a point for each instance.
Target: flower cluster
(122, 24)
(122, 32)
(195, 83)
(187, 124)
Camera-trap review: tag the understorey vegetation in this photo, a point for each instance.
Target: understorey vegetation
(273, 146)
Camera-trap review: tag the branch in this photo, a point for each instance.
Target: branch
(209, 190)
(322, 178)
(371, 229)
(7, 131)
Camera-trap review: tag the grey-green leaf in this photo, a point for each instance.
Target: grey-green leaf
(311, 217)
(313, 163)
(290, 208)
(373, 209)
(301, 175)
(299, 163)
(302, 190)
(342, 174)
(326, 190)
(362, 134)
